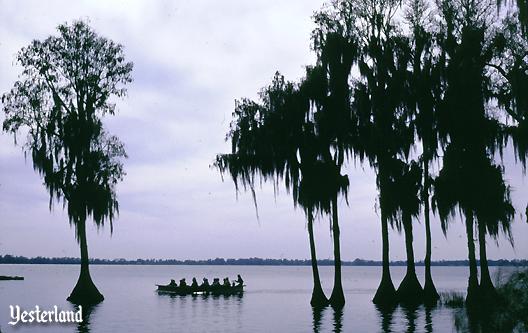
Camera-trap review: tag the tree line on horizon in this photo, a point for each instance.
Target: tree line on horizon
(10, 259)
(397, 86)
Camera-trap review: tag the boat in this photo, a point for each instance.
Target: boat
(188, 290)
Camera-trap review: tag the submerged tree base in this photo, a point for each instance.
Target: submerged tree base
(319, 299)
(487, 292)
(85, 292)
(473, 294)
(410, 291)
(430, 295)
(337, 299)
(386, 294)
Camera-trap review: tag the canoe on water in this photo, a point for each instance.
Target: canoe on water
(187, 290)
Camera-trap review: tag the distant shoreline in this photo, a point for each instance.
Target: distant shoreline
(9, 259)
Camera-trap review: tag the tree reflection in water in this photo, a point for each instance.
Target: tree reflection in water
(408, 317)
(87, 311)
(317, 313)
(411, 313)
(428, 319)
(337, 319)
(386, 314)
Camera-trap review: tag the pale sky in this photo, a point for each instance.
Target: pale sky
(192, 59)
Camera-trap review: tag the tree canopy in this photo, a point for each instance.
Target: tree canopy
(65, 88)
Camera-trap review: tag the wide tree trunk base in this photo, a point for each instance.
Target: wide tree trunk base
(430, 294)
(85, 292)
(410, 291)
(386, 294)
(319, 299)
(337, 299)
(473, 294)
(488, 293)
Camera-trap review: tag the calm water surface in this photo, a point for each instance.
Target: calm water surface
(276, 300)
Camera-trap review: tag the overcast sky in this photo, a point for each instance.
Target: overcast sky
(191, 60)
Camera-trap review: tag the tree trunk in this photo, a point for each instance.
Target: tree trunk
(337, 299)
(85, 292)
(430, 294)
(473, 285)
(486, 286)
(386, 294)
(410, 291)
(318, 297)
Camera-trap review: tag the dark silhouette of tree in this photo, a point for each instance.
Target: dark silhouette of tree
(322, 149)
(470, 134)
(274, 140)
(336, 45)
(406, 187)
(64, 90)
(377, 91)
(494, 214)
(510, 64)
(384, 135)
(509, 70)
(424, 88)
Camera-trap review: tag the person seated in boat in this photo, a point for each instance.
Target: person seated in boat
(239, 280)
(205, 284)
(216, 282)
(183, 283)
(173, 283)
(194, 283)
(227, 284)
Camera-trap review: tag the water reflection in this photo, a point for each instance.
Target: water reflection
(87, 311)
(484, 319)
(411, 313)
(196, 311)
(407, 318)
(386, 314)
(337, 319)
(317, 313)
(428, 319)
(203, 296)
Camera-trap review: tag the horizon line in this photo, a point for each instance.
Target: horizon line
(250, 261)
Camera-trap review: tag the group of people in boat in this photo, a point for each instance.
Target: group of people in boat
(206, 286)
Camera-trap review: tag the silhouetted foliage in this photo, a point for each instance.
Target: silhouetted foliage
(470, 134)
(64, 89)
(273, 140)
(379, 104)
(425, 87)
(451, 79)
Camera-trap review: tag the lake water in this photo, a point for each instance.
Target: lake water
(276, 300)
